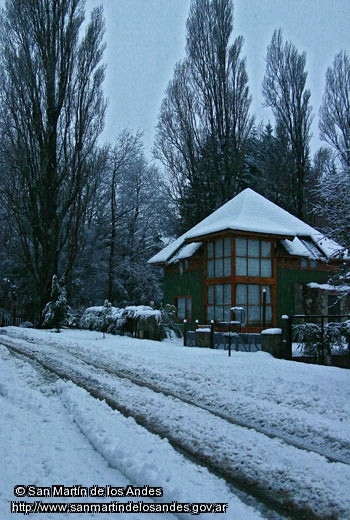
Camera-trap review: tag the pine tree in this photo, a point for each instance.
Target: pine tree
(57, 309)
(106, 316)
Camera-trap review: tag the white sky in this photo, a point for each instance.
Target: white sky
(145, 38)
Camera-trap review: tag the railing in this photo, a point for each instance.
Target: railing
(222, 335)
(7, 320)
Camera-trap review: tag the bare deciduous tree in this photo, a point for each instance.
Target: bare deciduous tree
(335, 110)
(130, 217)
(332, 189)
(52, 111)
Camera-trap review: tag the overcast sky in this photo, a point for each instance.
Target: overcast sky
(145, 38)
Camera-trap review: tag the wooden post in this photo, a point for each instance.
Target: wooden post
(212, 337)
(322, 340)
(286, 337)
(264, 308)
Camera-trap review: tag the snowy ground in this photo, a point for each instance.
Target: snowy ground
(282, 425)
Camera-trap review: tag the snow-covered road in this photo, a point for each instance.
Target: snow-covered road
(201, 401)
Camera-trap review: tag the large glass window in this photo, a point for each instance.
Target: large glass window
(253, 258)
(219, 302)
(250, 297)
(219, 258)
(183, 306)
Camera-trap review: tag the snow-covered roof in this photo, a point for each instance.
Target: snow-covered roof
(165, 254)
(329, 287)
(186, 251)
(251, 212)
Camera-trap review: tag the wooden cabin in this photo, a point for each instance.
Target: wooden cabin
(249, 254)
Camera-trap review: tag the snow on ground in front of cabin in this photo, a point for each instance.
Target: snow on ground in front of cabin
(279, 396)
(52, 433)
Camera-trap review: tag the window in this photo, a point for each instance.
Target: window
(183, 266)
(250, 297)
(183, 305)
(219, 258)
(305, 262)
(252, 263)
(253, 258)
(219, 302)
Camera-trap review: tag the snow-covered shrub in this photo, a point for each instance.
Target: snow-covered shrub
(333, 337)
(94, 318)
(168, 321)
(106, 315)
(138, 321)
(311, 342)
(345, 332)
(26, 325)
(309, 339)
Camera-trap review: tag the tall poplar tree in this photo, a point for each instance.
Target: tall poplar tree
(332, 190)
(204, 122)
(284, 90)
(335, 110)
(52, 111)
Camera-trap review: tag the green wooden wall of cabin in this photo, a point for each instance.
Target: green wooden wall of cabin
(286, 286)
(189, 283)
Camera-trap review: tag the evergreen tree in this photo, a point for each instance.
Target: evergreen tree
(106, 316)
(57, 309)
(269, 160)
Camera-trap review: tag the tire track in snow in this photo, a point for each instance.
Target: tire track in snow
(313, 443)
(268, 431)
(51, 372)
(280, 488)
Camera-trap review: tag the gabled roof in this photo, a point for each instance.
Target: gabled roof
(251, 212)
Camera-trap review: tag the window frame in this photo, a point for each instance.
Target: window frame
(249, 256)
(264, 250)
(188, 307)
(248, 305)
(221, 261)
(214, 305)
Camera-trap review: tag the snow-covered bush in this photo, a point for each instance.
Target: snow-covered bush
(311, 342)
(309, 339)
(168, 322)
(26, 325)
(106, 315)
(345, 332)
(94, 318)
(139, 321)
